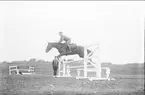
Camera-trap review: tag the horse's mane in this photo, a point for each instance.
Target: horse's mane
(58, 44)
(61, 44)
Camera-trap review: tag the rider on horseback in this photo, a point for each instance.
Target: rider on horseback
(66, 39)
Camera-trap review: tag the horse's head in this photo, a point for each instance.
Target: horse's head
(48, 48)
(53, 45)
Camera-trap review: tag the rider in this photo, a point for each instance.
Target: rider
(66, 39)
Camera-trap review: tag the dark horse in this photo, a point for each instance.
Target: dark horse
(63, 49)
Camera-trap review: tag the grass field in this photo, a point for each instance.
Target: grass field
(48, 85)
(43, 84)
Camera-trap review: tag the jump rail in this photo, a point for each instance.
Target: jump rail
(85, 67)
(17, 70)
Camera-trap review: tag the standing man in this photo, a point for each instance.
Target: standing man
(66, 39)
(55, 63)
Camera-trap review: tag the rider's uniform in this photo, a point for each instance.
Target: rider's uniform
(55, 62)
(66, 39)
(55, 66)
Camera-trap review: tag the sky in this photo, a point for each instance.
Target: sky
(27, 26)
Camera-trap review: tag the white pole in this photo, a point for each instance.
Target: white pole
(98, 64)
(9, 70)
(59, 68)
(63, 69)
(85, 62)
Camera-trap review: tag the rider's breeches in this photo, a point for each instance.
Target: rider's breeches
(68, 43)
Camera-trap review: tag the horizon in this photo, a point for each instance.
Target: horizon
(17, 62)
(27, 26)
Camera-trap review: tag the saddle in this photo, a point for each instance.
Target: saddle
(72, 46)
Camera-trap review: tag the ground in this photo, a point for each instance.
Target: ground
(129, 80)
(48, 85)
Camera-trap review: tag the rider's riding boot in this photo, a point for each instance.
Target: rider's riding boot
(69, 49)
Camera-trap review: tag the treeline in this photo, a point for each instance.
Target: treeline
(31, 61)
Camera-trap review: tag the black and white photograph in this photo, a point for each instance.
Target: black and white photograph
(72, 47)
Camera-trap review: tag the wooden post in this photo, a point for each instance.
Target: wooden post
(64, 69)
(10, 70)
(98, 64)
(59, 67)
(85, 62)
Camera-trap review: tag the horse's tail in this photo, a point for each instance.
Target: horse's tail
(89, 51)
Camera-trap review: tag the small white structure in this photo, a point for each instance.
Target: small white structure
(13, 68)
(17, 70)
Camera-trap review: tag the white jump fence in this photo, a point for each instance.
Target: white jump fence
(17, 70)
(87, 66)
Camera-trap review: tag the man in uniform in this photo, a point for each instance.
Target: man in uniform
(55, 64)
(66, 39)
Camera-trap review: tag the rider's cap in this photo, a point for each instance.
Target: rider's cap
(60, 32)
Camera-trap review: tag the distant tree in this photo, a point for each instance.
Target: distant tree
(106, 64)
(4, 62)
(40, 61)
(33, 60)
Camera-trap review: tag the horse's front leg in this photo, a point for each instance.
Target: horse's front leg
(58, 56)
(61, 54)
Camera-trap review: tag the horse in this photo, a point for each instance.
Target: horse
(63, 49)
